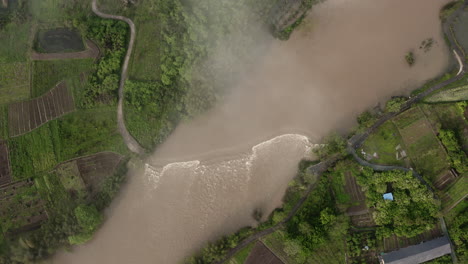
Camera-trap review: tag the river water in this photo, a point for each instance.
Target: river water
(214, 171)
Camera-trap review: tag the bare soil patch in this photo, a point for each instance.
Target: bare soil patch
(94, 169)
(260, 254)
(92, 51)
(5, 171)
(28, 115)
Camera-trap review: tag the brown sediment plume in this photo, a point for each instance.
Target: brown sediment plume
(345, 58)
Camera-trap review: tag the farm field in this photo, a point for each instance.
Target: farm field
(449, 116)
(242, 255)
(85, 175)
(260, 253)
(14, 42)
(349, 195)
(92, 51)
(29, 115)
(394, 242)
(46, 74)
(145, 64)
(455, 193)
(22, 207)
(14, 82)
(58, 40)
(331, 251)
(77, 134)
(424, 148)
(451, 95)
(5, 171)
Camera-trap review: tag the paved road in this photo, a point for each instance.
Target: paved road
(131, 143)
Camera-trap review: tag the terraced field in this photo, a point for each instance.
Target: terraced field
(28, 115)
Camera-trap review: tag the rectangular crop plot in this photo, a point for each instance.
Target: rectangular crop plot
(5, 172)
(96, 168)
(21, 207)
(423, 146)
(14, 82)
(28, 115)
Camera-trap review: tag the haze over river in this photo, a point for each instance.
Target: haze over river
(212, 172)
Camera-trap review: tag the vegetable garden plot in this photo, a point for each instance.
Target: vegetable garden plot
(21, 207)
(5, 172)
(28, 115)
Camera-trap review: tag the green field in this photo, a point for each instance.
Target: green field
(46, 74)
(15, 42)
(77, 134)
(384, 142)
(14, 82)
(423, 147)
(145, 63)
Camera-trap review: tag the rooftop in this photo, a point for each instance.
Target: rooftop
(419, 253)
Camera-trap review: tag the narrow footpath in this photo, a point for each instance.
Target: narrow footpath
(131, 143)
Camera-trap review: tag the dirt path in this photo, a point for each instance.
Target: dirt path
(131, 143)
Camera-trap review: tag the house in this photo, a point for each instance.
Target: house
(388, 196)
(418, 253)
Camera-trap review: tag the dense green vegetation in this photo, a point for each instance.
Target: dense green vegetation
(111, 35)
(413, 209)
(394, 105)
(458, 229)
(409, 57)
(456, 155)
(334, 144)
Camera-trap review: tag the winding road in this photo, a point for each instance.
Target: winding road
(357, 140)
(131, 143)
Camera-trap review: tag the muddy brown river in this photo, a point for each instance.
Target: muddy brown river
(213, 171)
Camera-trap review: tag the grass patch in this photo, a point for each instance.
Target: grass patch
(146, 128)
(384, 142)
(242, 255)
(46, 74)
(452, 95)
(145, 64)
(14, 42)
(14, 82)
(47, 10)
